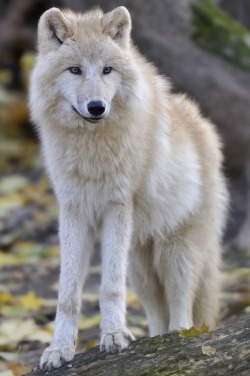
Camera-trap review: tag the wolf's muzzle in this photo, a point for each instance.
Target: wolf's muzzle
(95, 119)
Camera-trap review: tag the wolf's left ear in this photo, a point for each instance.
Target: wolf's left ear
(117, 24)
(53, 29)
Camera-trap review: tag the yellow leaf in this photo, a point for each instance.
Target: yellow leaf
(90, 344)
(193, 332)
(43, 185)
(13, 311)
(27, 60)
(132, 300)
(208, 350)
(30, 301)
(49, 330)
(26, 64)
(7, 259)
(6, 298)
(25, 248)
(89, 322)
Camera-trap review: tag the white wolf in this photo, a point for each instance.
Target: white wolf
(137, 165)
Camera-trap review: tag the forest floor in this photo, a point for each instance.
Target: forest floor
(29, 265)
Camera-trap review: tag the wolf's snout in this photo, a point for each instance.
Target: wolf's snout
(96, 108)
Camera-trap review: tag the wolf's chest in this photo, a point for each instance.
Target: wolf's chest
(91, 184)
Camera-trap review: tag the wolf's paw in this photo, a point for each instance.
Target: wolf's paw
(54, 357)
(116, 341)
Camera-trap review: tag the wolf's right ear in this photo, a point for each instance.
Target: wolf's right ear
(53, 29)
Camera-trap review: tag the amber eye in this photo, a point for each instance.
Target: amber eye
(107, 70)
(75, 70)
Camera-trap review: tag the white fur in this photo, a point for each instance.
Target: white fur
(146, 178)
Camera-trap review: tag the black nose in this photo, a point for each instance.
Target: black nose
(96, 108)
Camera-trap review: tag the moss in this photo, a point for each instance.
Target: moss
(217, 32)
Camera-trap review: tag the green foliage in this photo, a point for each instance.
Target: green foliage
(217, 32)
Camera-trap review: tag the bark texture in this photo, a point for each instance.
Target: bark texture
(229, 349)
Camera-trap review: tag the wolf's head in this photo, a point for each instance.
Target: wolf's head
(84, 71)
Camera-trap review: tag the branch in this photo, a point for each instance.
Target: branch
(170, 355)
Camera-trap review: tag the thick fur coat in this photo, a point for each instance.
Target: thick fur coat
(136, 165)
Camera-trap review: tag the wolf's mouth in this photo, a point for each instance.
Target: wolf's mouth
(89, 119)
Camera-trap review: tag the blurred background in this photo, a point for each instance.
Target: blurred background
(203, 46)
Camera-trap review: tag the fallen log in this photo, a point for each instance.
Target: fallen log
(225, 351)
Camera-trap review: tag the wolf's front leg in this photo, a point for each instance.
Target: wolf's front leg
(76, 245)
(116, 238)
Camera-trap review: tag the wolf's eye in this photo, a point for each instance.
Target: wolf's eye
(75, 70)
(107, 70)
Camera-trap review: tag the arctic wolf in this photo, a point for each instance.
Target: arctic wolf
(131, 162)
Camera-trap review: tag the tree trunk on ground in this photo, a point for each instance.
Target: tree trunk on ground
(225, 351)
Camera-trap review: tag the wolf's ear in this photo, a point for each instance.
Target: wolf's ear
(53, 29)
(117, 24)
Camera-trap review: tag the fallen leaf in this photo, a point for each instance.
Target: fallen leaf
(49, 329)
(132, 300)
(13, 331)
(89, 322)
(7, 259)
(12, 183)
(6, 298)
(13, 311)
(41, 335)
(19, 369)
(193, 332)
(238, 274)
(31, 301)
(50, 302)
(137, 332)
(90, 298)
(26, 63)
(208, 350)
(90, 344)
(9, 356)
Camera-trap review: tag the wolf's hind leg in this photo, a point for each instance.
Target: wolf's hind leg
(206, 305)
(147, 286)
(179, 267)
